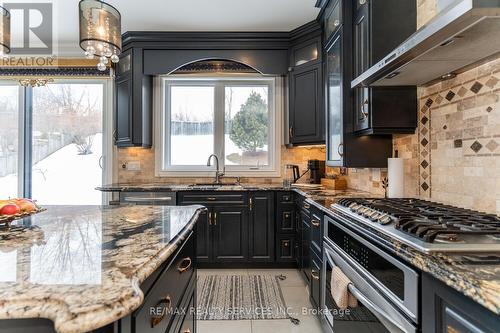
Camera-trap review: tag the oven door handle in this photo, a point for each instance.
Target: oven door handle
(391, 325)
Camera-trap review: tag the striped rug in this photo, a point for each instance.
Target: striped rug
(240, 297)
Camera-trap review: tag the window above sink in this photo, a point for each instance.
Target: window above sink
(234, 117)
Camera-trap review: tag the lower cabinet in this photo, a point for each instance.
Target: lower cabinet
(203, 238)
(168, 292)
(314, 284)
(238, 227)
(261, 226)
(446, 310)
(230, 235)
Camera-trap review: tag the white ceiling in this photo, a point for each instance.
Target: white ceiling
(189, 15)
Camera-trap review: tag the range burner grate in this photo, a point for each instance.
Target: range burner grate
(428, 221)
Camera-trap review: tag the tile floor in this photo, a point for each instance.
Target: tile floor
(296, 296)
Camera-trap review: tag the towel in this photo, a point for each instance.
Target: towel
(339, 286)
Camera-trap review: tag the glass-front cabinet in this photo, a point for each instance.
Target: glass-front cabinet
(334, 99)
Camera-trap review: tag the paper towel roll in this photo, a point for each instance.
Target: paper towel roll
(396, 177)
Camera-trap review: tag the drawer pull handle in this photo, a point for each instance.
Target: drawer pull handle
(315, 222)
(187, 330)
(315, 274)
(251, 204)
(157, 319)
(211, 198)
(209, 218)
(306, 205)
(187, 265)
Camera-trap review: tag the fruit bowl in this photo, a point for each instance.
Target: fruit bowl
(15, 209)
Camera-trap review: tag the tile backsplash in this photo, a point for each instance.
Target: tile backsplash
(453, 157)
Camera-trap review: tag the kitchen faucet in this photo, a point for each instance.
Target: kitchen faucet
(218, 174)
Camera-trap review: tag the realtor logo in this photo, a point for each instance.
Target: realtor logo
(31, 28)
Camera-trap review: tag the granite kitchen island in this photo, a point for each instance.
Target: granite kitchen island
(73, 269)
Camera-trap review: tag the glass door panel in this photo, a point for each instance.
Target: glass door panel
(67, 143)
(9, 140)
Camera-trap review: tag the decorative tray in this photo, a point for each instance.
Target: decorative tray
(7, 219)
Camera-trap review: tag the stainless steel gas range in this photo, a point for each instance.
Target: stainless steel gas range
(358, 237)
(426, 226)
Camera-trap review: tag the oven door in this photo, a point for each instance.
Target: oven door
(373, 313)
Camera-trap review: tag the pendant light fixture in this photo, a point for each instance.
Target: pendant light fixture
(100, 32)
(4, 31)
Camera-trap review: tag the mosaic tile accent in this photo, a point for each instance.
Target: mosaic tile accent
(476, 87)
(476, 146)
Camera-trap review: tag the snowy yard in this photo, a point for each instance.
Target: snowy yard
(64, 177)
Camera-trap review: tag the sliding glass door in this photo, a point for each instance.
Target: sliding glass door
(10, 131)
(62, 148)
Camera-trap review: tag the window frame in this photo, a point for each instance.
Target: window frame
(219, 82)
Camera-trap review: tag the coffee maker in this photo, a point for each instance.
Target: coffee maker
(316, 171)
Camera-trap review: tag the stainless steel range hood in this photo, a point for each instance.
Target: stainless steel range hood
(465, 33)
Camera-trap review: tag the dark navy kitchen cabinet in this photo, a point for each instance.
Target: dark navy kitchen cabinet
(133, 102)
(261, 226)
(238, 227)
(344, 147)
(286, 241)
(306, 105)
(376, 32)
(230, 233)
(446, 310)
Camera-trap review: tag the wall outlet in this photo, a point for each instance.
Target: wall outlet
(133, 166)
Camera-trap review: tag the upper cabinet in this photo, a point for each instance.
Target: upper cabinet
(378, 26)
(344, 147)
(133, 101)
(306, 107)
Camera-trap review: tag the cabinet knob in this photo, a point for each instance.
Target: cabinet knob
(362, 2)
(315, 222)
(306, 205)
(187, 330)
(336, 23)
(285, 244)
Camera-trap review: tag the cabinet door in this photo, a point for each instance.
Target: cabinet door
(230, 233)
(306, 53)
(315, 281)
(306, 247)
(285, 218)
(332, 19)
(123, 130)
(285, 249)
(362, 62)
(306, 112)
(335, 126)
(203, 239)
(261, 227)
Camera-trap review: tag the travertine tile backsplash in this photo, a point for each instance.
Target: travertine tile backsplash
(454, 156)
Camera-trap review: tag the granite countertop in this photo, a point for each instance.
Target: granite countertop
(82, 266)
(480, 282)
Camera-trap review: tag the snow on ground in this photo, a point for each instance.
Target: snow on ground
(64, 177)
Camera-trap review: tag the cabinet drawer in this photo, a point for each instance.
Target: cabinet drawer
(285, 197)
(286, 249)
(210, 198)
(167, 292)
(316, 265)
(148, 198)
(316, 223)
(186, 324)
(286, 218)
